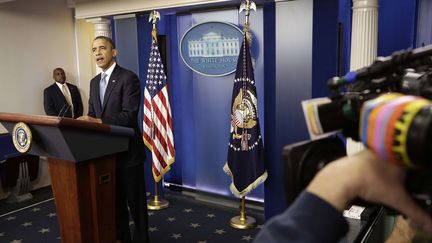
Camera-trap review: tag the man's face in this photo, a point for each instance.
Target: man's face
(103, 53)
(59, 75)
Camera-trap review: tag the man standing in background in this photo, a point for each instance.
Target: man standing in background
(61, 98)
(115, 99)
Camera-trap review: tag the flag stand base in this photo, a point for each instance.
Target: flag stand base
(243, 221)
(157, 203)
(246, 223)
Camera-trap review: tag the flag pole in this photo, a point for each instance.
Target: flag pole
(156, 203)
(243, 221)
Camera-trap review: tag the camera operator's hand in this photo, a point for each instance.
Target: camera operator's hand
(370, 178)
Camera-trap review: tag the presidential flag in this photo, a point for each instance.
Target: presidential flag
(245, 162)
(157, 124)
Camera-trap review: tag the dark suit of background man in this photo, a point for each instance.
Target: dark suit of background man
(118, 104)
(61, 98)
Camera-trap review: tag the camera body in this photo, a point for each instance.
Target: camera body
(304, 159)
(361, 108)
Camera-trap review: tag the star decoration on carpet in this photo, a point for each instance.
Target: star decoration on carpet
(220, 231)
(247, 238)
(153, 229)
(188, 210)
(202, 223)
(44, 230)
(176, 236)
(195, 225)
(26, 224)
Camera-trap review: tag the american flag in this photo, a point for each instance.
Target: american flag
(245, 163)
(157, 124)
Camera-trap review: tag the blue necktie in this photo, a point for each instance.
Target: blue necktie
(102, 87)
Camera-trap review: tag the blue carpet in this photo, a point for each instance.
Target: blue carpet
(185, 221)
(36, 223)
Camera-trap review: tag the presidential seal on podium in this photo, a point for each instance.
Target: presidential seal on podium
(22, 137)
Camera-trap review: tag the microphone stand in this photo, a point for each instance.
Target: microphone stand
(65, 111)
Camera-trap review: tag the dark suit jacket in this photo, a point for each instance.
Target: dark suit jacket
(308, 219)
(121, 104)
(55, 102)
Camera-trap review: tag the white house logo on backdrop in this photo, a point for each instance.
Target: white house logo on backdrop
(211, 48)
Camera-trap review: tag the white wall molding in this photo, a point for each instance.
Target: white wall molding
(91, 9)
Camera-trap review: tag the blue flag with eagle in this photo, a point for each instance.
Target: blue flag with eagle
(245, 162)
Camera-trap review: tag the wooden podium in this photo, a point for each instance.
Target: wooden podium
(81, 158)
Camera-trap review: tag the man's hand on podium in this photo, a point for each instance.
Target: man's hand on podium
(89, 119)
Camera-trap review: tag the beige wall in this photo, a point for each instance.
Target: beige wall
(36, 37)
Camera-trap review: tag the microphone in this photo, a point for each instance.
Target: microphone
(61, 110)
(66, 110)
(383, 66)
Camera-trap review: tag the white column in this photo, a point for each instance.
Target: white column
(102, 26)
(364, 33)
(364, 38)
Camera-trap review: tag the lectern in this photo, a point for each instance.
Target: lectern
(81, 159)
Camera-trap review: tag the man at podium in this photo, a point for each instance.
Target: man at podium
(114, 99)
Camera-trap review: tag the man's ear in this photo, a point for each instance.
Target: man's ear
(114, 52)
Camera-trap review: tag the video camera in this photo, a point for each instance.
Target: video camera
(386, 106)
